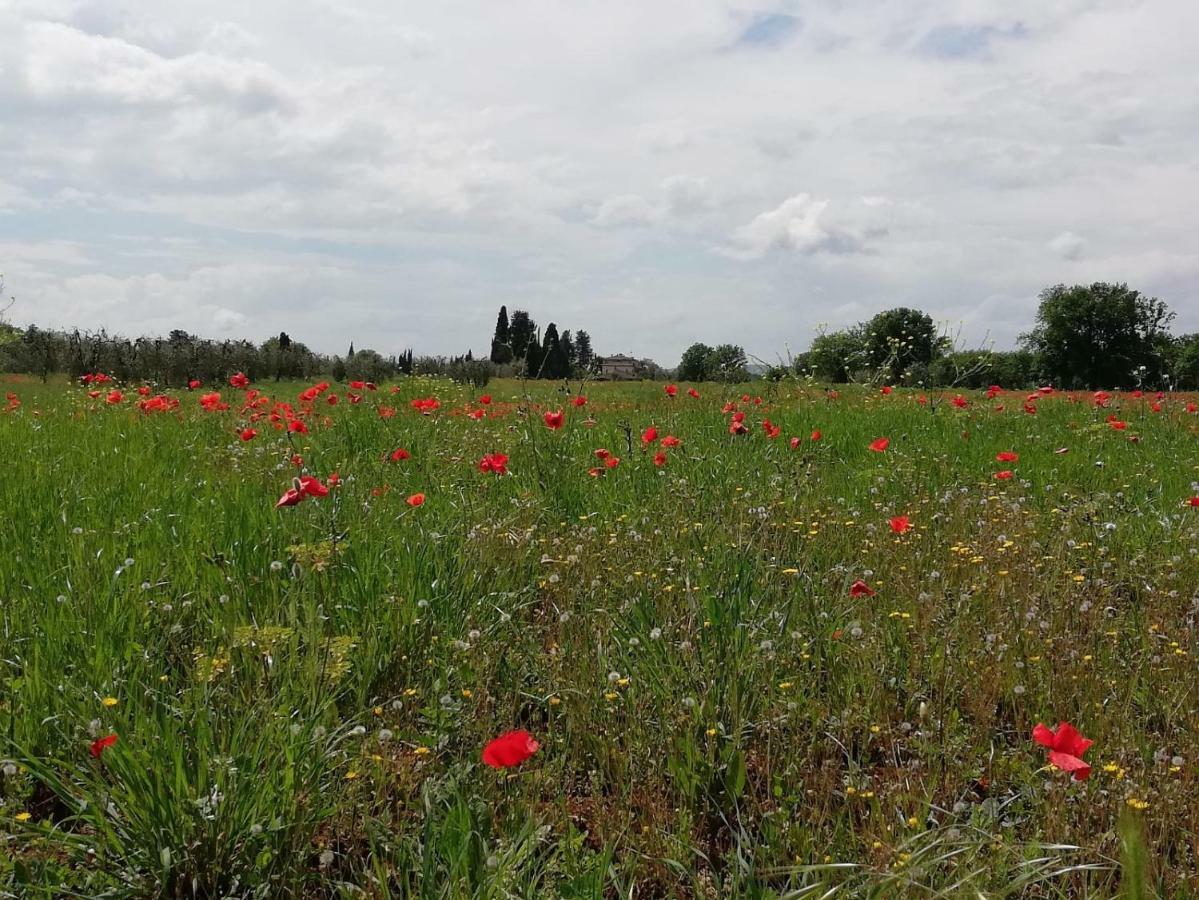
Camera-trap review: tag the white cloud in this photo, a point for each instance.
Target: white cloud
(1068, 245)
(795, 224)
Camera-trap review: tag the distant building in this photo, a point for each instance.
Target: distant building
(619, 367)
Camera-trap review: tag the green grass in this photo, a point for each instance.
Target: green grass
(302, 694)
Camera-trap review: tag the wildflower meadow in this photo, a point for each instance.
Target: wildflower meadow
(423, 639)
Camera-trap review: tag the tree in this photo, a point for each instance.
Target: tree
(501, 342)
(521, 331)
(553, 359)
(902, 342)
(572, 353)
(1100, 336)
(584, 355)
(837, 355)
(729, 363)
(695, 364)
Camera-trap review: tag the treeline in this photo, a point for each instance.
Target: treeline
(522, 349)
(1085, 337)
(180, 357)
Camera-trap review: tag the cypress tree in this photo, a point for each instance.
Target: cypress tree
(501, 343)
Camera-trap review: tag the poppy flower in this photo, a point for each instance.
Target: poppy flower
(426, 405)
(239, 380)
(816, 435)
(399, 454)
(693, 393)
(193, 384)
(312, 486)
(93, 394)
(291, 497)
(510, 749)
(248, 434)
(737, 427)
(1005, 475)
(1118, 425)
(880, 444)
(144, 390)
(1007, 456)
(297, 460)
(554, 420)
(670, 441)
(886, 389)
(994, 391)
(580, 401)
(659, 459)
(611, 462)
(795, 442)
(114, 397)
(860, 589)
(333, 480)
(358, 385)
(1066, 748)
(331, 399)
(99, 745)
(649, 436)
(671, 390)
(1194, 502)
(494, 462)
(477, 414)
(900, 524)
(960, 402)
(485, 399)
(602, 453)
(416, 500)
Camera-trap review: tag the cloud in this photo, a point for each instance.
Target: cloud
(1068, 245)
(795, 224)
(359, 171)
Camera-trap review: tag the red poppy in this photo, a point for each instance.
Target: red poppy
(994, 391)
(860, 589)
(331, 399)
(649, 436)
(333, 480)
(880, 444)
(602, 453)
(193, 384)
(399, 454)
(670, 441)
(426, 405)
(114, 396)
(476, 414)
(510, 749)
(99, 745)
(1005, 475)
(297, 426)
(659, 459)
(291, 497)
(611, 462)
(1066, 748)
(554, 420)
(485, 399)
(297, 460)
(886, 389)
(1118, 425)
(93, 394)
(816, 435)
(795, 442)
(580, 400)
(900, 524)
(1007, 456)
(358, 385)
(494, 462)
(737, 427)
(385, 412)
(1194, 501)
(239, 380)
(416, 500)
(312, 486)
(693, 393)
(248, 434)
(671, 390)
(960, 402)
(144, 390)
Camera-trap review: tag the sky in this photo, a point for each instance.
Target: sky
(655, 172)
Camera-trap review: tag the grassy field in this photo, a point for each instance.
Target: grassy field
(301, 694)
